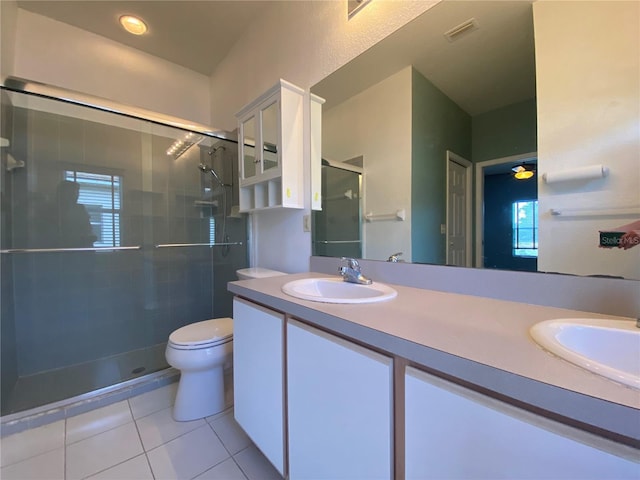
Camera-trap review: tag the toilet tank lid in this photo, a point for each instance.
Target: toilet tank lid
(199, 333)
(259, 272)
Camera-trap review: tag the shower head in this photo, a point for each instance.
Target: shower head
(215, 149)
(206, 168)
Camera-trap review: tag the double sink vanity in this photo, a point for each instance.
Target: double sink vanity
(338, 380)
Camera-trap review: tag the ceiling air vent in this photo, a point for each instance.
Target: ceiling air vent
(459, 31)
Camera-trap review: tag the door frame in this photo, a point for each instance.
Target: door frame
(480, 167)
(455, 158)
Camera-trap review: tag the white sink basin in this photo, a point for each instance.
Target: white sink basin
(610, 348)
(336, 290)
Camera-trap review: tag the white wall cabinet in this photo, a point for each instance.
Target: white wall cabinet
(271, 149)
(452, 432)
(315, 135)
(258, 377)
(339, 407)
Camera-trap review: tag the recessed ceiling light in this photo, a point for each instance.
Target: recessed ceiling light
(133, 24)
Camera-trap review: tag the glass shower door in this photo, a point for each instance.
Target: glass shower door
(105, 246)
(337, 227)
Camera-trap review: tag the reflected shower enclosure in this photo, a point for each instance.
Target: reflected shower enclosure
(112, 237)
(337, 228)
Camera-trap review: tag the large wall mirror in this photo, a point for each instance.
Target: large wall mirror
(423, 132)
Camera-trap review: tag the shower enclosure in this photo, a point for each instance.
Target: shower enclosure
(337, 227)
(112, 236)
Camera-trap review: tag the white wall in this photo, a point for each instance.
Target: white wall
(8, 20)
(588, 95)
(58, 54)
(301, 42)
(376, 124)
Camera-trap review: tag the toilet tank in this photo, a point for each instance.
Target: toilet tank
(257, 272)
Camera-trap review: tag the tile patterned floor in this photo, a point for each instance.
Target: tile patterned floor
(135, 439)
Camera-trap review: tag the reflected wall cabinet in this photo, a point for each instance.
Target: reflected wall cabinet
(271, 149)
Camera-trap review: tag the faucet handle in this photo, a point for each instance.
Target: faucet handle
(352, 263)
(394, 257)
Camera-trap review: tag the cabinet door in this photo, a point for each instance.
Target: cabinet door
(339, 407)
(248, 146)
(260, 148)
(270, 126)
(258, 385)
(452, 432)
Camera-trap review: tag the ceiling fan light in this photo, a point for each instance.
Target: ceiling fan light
(133, 24)
(522, 172)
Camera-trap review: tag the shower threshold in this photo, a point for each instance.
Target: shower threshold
(71, 390)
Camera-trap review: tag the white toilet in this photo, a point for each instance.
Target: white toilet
(200, 351)
(257, 272)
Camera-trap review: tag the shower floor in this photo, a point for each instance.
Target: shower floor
(54, 385)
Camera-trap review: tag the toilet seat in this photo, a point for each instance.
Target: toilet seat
(205, 334)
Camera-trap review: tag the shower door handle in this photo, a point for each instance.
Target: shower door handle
(78, 249)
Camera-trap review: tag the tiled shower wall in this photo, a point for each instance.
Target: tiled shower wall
(66, 308)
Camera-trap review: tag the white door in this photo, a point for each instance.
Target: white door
(458, 211)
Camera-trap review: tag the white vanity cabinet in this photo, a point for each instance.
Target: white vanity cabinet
(339, 407)
(270, 149)
(258, 377)
(452, 432)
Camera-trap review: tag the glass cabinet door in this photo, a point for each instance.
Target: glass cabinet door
(249, 139)
(270, 122)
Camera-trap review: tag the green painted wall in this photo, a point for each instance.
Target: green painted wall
(506, 131)
(438, 125)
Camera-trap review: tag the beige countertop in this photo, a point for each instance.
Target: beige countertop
(478, 340)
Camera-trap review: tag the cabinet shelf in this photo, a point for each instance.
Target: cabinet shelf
(261, 195)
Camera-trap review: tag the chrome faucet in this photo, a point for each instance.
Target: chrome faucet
(395, 257)
(351, 272)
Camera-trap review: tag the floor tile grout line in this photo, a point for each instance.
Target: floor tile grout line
(219, 415)
(144, 450)
(149, 413)
(231, 455)
(31, 457)
(115, 464)
(240, 466)
(95, 434)
(48, 450)
(112, 466)
(168, 408)
(220, 439)
(175, 438)
(212, 466)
